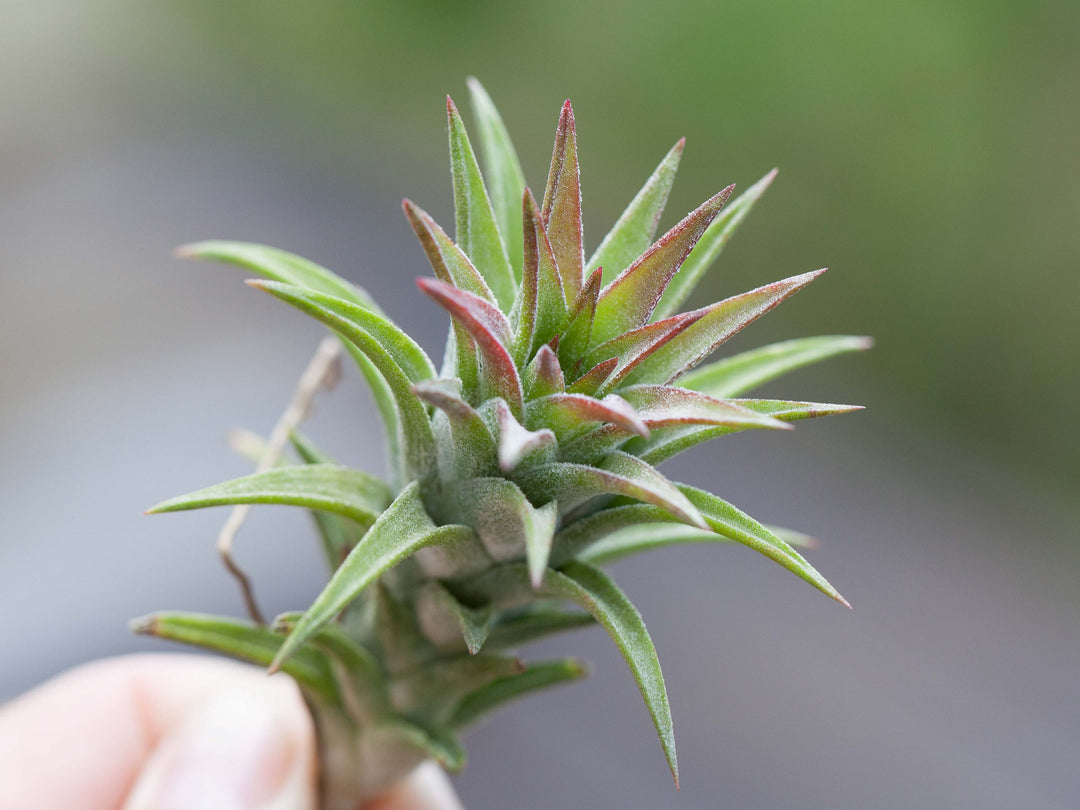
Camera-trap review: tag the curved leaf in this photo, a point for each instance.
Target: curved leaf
(618, 474)
(448, 261)
(536, 676)
(377, 340)
(575, 340)
(242, 640)
(725, 519)
(328, 487)
(398, 533)
(535, 622)
(596, 593)
(568, 414)
(279, 265)
(491, 331)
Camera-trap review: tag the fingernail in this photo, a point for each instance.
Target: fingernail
(238, 753)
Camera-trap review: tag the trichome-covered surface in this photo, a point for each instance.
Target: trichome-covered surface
(518, 469)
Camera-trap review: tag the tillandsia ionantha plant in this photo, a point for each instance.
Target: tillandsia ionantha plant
(515, 472)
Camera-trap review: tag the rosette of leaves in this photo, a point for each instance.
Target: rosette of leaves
(519, 467)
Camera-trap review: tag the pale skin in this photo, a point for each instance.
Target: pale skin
(173, 732)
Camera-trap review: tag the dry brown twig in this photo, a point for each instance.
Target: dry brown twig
(322, 372)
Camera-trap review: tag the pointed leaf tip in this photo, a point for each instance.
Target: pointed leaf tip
(628, 302)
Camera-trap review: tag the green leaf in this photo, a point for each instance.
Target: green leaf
(618, 474)
(506, 522)
(505, 179)
(278, 265)
(596, 593)
(338, 534)
(661, 406)
(636, 227)
(433, 690)
(740, 373)
(432, 743)
(628, 301)
(536, 676)
(359, 676)
(637, 345)
(571, 414)
(477, 233)
(665, 409)
(668, 442)
(473, 447)
(541, 309)
(725, 519)
(535, 621)
(382, 344)
(576, 536)
(344, 491)
(709, 247)
(714, 324)
(646, 537)
(448, 261)
(593, 380)
(242, 640)
(446, 622)
(562, 205)
(575, 340)
(544, 375)
(398, 533)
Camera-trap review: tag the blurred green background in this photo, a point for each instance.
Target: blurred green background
(928, 156)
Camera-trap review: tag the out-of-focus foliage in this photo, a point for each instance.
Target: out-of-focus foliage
(927, 154)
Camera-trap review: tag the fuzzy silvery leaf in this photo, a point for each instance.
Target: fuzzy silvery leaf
(398, 533)
(646, 537)
(278, 265)
(448, 261)
(541, 306)
(667, 442)
(544, 375)
(574, 342)
(377, 341)
(725, 519)
(637, 345)
(593, 380)
(562, 205)
(570, 414)
(633, 232)
(595, 592)
(712, 326)
(491, 332)
(709, 246)
(628, 301)
(342, 490)
(502, 170)
(242, 640)
(618, 474)
(536, 676)
(743, 372)
(477, 234)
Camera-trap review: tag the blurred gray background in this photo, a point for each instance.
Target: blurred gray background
(928, 156)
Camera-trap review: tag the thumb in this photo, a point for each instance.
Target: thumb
(247, 748)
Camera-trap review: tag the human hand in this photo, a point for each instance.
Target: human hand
(173, 732)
